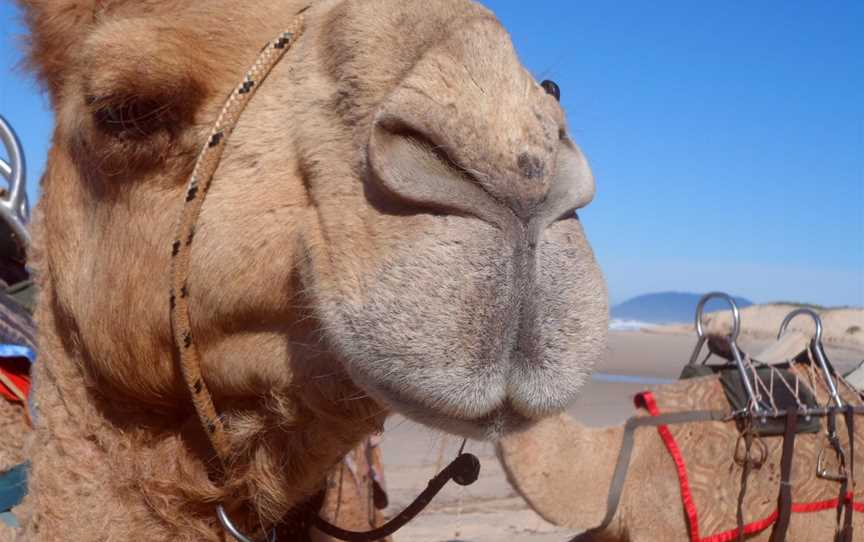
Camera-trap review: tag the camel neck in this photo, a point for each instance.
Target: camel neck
(560, 457)
(99, 468)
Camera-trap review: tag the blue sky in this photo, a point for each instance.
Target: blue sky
(727, 138)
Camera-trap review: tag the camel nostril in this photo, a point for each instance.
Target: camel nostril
(531, 166)
(552, 88)
(416, 169)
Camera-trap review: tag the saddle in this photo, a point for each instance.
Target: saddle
(778, 384)
(769, 397)
(781, 396)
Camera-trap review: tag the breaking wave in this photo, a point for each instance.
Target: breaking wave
(626, 325)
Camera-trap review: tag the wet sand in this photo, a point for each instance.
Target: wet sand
(490, 510)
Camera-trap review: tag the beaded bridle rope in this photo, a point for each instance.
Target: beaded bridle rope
(463, 470)
(181, 247)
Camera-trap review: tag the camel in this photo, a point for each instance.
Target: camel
(391, 228)
(564, 471)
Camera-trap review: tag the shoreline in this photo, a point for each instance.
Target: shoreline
(843, 328)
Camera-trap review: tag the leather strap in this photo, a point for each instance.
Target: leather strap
(846, 533)
(844, 483)
(784, 501)
(463, 470)
(745, 476)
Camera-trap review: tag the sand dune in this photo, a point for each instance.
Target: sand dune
(841, 327)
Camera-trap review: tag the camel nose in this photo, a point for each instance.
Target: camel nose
(422, 169)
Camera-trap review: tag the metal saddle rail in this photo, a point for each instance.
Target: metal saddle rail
(14, 206)
(755, 405)
(817, 349)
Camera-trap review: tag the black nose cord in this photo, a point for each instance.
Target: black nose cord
(464, 470)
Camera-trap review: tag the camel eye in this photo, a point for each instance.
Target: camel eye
(129, 118)
(551, 87)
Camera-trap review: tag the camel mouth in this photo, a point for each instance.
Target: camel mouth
(499, 418)
(471, 332)
(503, 421)
(492, 427)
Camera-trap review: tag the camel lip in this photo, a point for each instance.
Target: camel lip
(488, 418)
(503, 421)
(494, 424)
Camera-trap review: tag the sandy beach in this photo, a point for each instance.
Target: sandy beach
(490, 510)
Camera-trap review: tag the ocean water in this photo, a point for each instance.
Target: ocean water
(626, 325)
(630, 379)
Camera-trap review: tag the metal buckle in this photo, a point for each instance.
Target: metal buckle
(822, 471)
(232, 530)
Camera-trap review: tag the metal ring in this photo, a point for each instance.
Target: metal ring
(736, 314)
(14, 208)
(229, 527)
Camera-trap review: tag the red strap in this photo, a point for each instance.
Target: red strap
(750, 528)
(762, 524)
(18, 374)
(646, 400)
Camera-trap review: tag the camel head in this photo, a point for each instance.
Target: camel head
(395, 211)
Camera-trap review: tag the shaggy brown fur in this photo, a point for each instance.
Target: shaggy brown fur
(552, 464)
(348, 500)
(392, 219)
